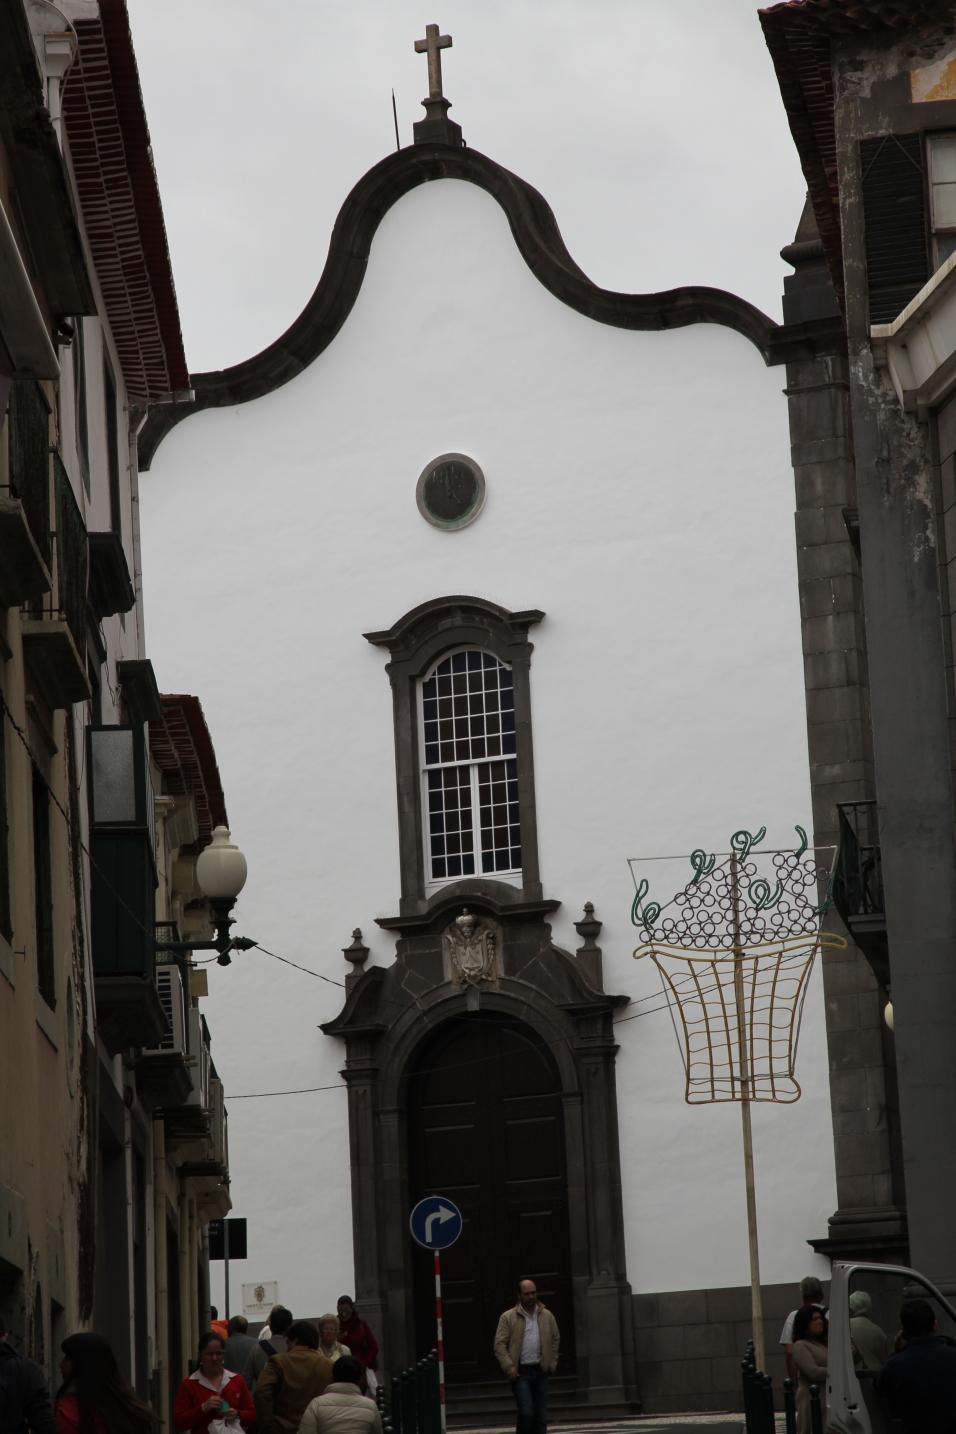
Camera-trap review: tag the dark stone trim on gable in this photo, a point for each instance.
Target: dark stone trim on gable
(538, 238)
(415, 641)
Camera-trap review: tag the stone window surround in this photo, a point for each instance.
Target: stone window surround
(415, 642)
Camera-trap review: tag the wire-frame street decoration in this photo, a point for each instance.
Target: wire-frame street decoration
(735, 949)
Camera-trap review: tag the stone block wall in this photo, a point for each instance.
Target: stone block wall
(690, 1344)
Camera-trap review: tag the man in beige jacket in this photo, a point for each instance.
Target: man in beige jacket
(526, 1347)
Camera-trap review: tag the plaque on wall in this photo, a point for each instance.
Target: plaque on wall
(451, 491)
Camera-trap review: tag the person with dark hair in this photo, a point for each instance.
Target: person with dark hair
(279, 1321)
(213, 1399)
(243, 1353)
(810, 1360)
(811, 1293)
(526, 1346)
(94, 1398)
(24, 1392)
(291, 1380)
(355, 1333)
(343, 1408)
(919, 1383)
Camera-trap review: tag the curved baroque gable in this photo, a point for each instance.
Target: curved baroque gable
(539, 241)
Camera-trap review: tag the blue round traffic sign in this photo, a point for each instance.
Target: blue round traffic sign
(435, 1222)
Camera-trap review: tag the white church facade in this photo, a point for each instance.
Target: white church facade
(508, 576)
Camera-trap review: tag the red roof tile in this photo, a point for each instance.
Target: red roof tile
(122, 212)
(182, 748)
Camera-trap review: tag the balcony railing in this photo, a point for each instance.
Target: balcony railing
(25, 499)
(72, 556)
(858, 888)
(858, 883)
(29, 420)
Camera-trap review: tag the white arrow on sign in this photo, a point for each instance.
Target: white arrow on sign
(441, 1215)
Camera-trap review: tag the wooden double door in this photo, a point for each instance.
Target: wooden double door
(486, 1128)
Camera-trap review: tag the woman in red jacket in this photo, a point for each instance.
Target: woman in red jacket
(214, 1400)
(94, 1397)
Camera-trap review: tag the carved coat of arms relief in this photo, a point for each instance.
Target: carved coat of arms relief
(469, 945)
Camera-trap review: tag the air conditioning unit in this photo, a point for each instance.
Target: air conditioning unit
(217, 1121)
(199, 1059)
(169, 988)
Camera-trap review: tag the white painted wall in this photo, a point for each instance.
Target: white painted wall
(639, 491)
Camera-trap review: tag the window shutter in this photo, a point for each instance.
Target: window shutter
(897, 259)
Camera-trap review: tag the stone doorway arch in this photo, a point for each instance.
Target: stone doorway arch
(486, 1127)
(389, 1014)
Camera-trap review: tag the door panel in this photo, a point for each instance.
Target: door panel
(486, 1128)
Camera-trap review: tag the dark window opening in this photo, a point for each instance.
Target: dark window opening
(112, 446)
(6, 916)
(43, 889)
(79, 404)
(895, 230)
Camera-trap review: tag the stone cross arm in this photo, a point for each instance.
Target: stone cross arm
(432, 46)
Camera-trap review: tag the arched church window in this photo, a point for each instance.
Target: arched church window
(470, 768)
(460, 672)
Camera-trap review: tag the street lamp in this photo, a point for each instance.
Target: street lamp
(221, 874)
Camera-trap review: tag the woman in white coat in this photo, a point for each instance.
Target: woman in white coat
(342, 1408)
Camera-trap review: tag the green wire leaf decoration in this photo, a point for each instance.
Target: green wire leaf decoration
(644, 915)
(763, 895)
(702, 863)
(827, 897)
(743, 842)
(804, 843)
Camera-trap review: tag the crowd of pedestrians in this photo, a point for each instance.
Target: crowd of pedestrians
(302, 1378)
(913, 1377)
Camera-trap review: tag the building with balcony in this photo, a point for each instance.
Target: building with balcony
(114, 1153)
(870, 91)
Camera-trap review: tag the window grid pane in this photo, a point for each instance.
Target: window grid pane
(450, 829)
(498, 823)
(468, 719)
(468, 710)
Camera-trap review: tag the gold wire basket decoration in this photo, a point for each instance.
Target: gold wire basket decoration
(752, 995)
(735, 955)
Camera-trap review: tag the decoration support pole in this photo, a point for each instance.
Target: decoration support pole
(746, 1129)
(440, 1345)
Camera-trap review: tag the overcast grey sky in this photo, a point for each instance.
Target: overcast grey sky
(654, 129)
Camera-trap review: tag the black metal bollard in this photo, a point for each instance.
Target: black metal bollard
(765, 1403)
(747, 1373)
(816, 1413)
(409, 1402)
(429, 1407)
(790, 1406)
(395, 1402)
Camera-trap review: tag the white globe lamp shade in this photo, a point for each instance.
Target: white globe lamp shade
(221, 867)
(888, 1014)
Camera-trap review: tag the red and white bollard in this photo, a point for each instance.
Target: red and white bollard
(440, 1344)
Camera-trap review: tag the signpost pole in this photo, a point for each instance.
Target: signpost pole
(440, 1344)
(225, 1260)
(744, 1077)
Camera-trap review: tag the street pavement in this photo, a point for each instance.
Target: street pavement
(641, 1424)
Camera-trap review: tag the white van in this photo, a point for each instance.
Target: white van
(853, 1405)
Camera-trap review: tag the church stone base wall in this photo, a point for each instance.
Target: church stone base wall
(690, 1344)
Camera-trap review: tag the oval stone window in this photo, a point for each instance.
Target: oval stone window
(451, 491)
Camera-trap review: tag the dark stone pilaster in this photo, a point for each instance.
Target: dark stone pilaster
(911, 732)
(868, 1220)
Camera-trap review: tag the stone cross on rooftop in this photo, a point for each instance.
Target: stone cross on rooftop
(432, 46)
